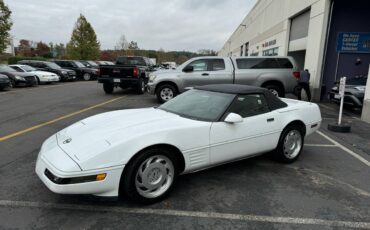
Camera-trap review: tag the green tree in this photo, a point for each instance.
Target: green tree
(84, 43)
(5, 26)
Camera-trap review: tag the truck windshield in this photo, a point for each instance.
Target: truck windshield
(199, 105)
(130, 61)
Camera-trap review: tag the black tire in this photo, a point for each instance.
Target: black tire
(275, 89)
(108, 88)
(170, 91)
(141, 86)
(130, 176)
(281, 153)
(38, 80)
(12, 83)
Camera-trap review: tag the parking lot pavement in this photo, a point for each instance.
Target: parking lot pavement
(325, 189)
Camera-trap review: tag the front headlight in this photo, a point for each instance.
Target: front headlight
(64, 72)
(152, 78)
(19, 78)
(360, 88)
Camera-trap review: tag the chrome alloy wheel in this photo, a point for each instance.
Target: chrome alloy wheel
(86, 77)
(292, 144)
(166, 94)
(154, 176)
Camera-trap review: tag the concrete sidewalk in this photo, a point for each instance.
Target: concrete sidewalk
(358, 139)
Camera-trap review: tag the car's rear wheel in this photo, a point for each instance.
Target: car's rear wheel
(150, 176)
(166, 93)
(86, 77)
(141, 86)
(290, 144)
(108, 88)
(276, 90)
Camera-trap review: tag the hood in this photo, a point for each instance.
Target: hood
(43, 73)
(13, 74)
(67, 70)
(3, 77)
(96, 134)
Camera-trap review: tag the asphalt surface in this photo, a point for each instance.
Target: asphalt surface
(327, 188)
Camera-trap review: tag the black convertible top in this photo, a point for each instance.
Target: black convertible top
(273, 102)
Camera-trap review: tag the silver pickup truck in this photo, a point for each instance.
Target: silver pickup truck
(278, 74)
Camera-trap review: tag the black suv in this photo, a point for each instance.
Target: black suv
(65, 74)
(82, 71)
(17, 78)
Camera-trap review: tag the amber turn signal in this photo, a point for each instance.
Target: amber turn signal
(100, 177)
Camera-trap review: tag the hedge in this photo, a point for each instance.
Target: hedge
(15, 60)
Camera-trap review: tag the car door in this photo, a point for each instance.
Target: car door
(207, 71)
(257, 133)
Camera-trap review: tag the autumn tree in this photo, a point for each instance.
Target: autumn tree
(24, 48)
(84, 43)
(5, 26)
(42, 50)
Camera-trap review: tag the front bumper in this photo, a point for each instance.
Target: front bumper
(49, 79)
(151, 88)
(4, 84)
(109, 187)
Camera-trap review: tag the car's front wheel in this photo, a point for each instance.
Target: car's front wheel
(166, 93)
(290, 144)
(141, 86)
(87, 77)
(150, 176)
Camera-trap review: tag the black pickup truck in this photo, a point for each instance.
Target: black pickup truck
(128, 72)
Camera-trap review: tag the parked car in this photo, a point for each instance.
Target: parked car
(17, 78)
(64, 74)
(278, 74)
(128, 72)
(104, 63)
(82, 71)
(42, 76)
(139, 153)
(4, 82)
(89, 64)
(354, 92)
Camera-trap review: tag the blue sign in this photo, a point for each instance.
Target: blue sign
(353, 42)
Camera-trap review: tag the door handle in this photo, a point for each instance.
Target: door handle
(270, 119)
(205, 74)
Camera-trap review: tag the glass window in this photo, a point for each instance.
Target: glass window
(199, 105)
(51, 65)
(217, 64)
(257, 63)
(79, 64)
(199, 65)
(129, 61)
(17, 68)
(28, 68)
(249, 105)
(284, 63)
(5, 68)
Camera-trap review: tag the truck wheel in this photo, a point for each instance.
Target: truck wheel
(276, 90)
(290, 144)
(166, 93)
(150, 176)
(108, 88)
(141, 86)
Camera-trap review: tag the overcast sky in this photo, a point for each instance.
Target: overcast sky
(154, 24)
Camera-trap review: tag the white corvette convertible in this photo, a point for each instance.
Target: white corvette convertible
(140, 152)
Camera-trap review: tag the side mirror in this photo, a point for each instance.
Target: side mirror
(188, 68)
(233, 118)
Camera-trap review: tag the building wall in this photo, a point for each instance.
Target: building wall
(270, 20)
(346, 18)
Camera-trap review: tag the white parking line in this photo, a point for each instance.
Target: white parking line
(320, 145)
(350, 152)
(180, 213)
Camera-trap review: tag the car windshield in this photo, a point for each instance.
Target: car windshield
(130, 61)
(53, 65)
(199, 105)
(79, 64)
(5, 68)
(92, 63)
(28, 68)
